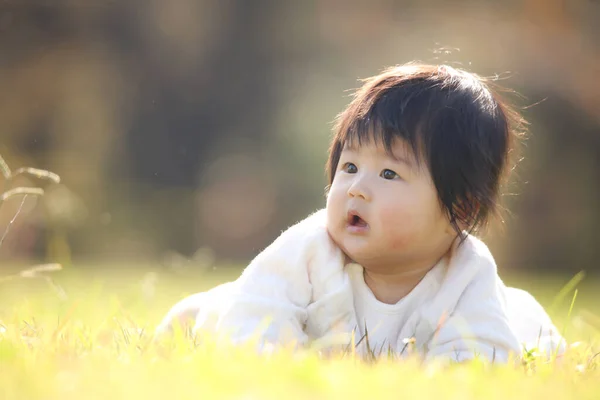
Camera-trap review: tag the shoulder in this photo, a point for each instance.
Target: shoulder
(477, 275)
(471, 298)
(471, 261)
(470, 271)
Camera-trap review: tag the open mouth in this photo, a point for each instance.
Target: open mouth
(354, 219)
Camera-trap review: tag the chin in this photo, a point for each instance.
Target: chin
(356, 255)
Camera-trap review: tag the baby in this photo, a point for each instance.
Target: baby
(415, 167)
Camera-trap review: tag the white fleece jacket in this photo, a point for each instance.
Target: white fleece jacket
(299, 290)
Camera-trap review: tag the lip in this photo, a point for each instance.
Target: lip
(354, 229)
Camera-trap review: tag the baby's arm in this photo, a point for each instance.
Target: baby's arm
(270, 300)
(185, 312)
(478, 325)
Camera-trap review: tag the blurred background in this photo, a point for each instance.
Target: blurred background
(190, 133)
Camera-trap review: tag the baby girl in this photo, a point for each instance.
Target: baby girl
(415, 169)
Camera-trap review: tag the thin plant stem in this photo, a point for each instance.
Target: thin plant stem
(12, 220)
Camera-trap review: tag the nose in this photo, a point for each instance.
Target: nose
(359, 189)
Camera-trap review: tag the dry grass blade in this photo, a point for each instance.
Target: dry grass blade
(37, 173)
(4, 168)
(21, 191)
(34, 272)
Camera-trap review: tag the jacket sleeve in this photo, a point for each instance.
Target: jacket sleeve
(478, 326)
(270, 300)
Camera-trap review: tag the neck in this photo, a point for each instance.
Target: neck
(390, 285)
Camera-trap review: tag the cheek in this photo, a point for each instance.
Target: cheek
(337, 193)
(334, 206)
(397, 225)
(404, 223)
(333, 198)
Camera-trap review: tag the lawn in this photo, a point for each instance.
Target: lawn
(87, 335)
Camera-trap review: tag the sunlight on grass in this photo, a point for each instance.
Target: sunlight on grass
(94, 341)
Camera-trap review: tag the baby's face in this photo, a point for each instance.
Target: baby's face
(383, 211)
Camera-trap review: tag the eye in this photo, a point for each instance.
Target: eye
(389, 174)
(349, 168)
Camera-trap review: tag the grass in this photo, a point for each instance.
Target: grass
(88, 336)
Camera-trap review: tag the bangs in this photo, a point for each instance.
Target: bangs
(399, 115)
